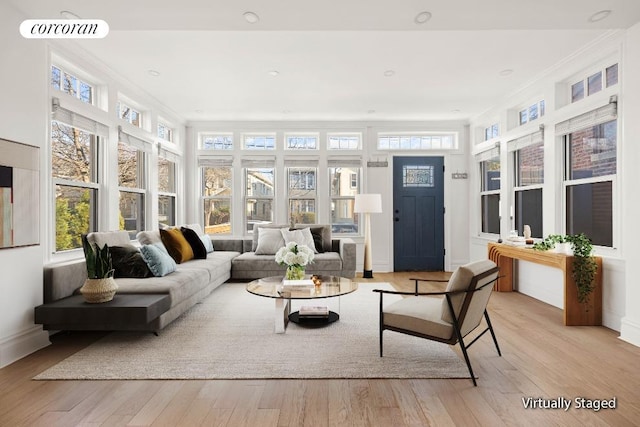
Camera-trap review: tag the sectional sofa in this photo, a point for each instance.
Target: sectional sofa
(192, 280)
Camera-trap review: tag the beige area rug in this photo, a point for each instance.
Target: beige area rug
(230, 335)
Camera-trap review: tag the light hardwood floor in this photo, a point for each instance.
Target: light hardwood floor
(541, 359)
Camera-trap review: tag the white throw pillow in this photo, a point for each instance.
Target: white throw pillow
(300, 237)
(269, 241)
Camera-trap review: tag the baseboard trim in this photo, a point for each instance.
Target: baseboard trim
(22, 344)
(630, 331)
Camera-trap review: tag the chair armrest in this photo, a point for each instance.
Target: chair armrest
(416, 279)
(384, 291)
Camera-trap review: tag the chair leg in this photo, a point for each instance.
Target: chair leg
(464, 353)
(380, 342)
(495, 341)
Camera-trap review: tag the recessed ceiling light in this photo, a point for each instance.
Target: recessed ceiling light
(371, 111)
(422, 17)
(251, 17)
(599, 16)
(199, 111)
(286, 111)
(389, 73)
(154, 73)
(456, 111)
(66, 14)
(274, 73)
(506, 72)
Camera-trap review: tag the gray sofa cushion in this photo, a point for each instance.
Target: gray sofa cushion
(249, 261)
(323, 230)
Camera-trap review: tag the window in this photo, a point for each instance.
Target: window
(259, 142)
(74, 160)
(347, 141)
(129, 114)
(529, 163)
(342, 194)
(590, 168)
(491, 132)
(490, 191)
(302, 194)
(68, 83)
(217, 142)
(131, 185)
(260, 190)
(165, 132)
(531, 113)
(594, 83)
(445, 141)
(167, 188)
(301, 142)
(217, 190)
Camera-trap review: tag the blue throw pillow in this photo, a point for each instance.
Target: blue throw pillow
(206, 241)
(159, 261)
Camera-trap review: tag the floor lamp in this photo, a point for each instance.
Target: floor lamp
(367, 204)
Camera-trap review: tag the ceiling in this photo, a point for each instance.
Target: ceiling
(331, 57)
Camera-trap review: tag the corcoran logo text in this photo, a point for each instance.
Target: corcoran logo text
(64, 29)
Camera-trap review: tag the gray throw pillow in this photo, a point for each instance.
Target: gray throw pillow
(269, 241)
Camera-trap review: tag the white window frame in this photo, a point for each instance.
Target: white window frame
(80, 80)
(167, 135)
(121, 105)
(315, 136)
(482, 158)
(226, 145)
(346, 138)
(248, 164)
(265, 135)
(407, 141)
(351, 164)
(143, 149)
(205, 162)
(173, 195)
(302, 165)
(585, 82)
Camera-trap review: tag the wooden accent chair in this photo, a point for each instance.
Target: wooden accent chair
(447, 316)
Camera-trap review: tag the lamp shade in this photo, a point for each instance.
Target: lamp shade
(368, 203)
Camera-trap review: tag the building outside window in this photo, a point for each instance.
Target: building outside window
(342, 194)
(528, 155)
(489, 163)
(259, 180)
(217, 195)
(590, 160)
(167, 188)
(302, 194)
(131, 182)
(74, 164)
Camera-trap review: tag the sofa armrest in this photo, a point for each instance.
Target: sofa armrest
(347, 250)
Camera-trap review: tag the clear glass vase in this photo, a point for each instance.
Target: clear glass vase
(294, 272)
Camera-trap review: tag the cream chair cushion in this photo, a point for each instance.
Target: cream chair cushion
(460, 281)
(420, 314)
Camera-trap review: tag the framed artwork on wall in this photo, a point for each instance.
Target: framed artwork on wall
(19, 194)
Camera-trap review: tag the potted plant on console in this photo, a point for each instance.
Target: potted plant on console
(100, 285)
(584, 264)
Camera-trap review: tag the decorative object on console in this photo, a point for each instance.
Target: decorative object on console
(584, 264)
(295, 257)
(99, 286)
(367, 204)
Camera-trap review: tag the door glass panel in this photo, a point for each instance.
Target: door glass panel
(417, 176)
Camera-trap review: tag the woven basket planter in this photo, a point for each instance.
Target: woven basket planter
(99, 290)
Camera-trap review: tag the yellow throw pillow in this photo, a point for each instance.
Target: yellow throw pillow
(177, 246)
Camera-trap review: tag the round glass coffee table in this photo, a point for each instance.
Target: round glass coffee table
(285, 291)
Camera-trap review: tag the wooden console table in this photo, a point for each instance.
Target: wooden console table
(575, 313)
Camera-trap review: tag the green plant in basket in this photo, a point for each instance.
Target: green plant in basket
(584, 264)
(99, 263)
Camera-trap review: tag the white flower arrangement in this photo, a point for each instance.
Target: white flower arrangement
(294, 255)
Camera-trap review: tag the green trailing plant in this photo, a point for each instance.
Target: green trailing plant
(584, 264)
(99, 264)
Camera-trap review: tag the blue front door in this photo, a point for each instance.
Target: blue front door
(418, 213)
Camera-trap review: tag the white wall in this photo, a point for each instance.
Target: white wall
(630, 157)
(23, 78)
(538, 281)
